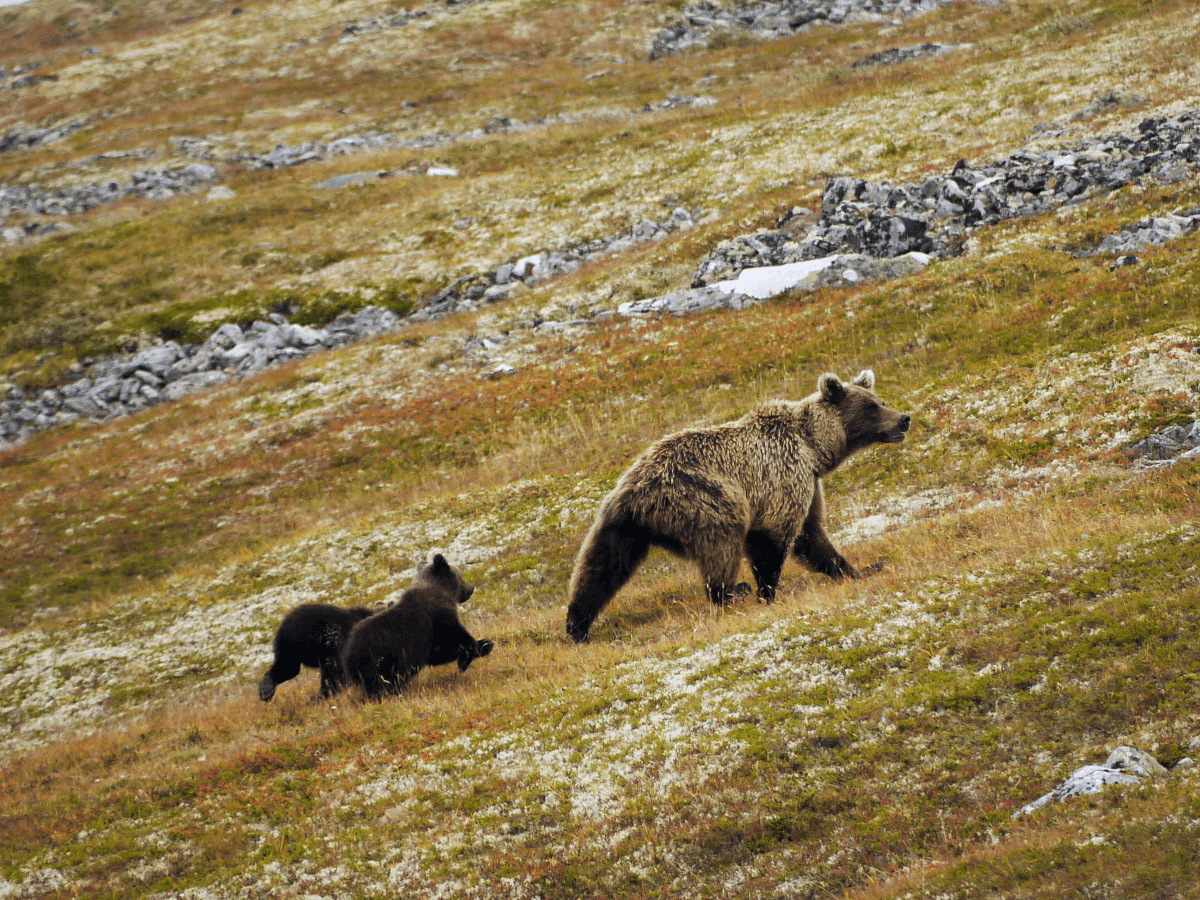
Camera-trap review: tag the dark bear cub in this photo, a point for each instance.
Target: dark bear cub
(747, 488)
(384, 652)
(312, 635)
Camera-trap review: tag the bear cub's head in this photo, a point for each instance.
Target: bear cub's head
(865, 418)
(445, 577)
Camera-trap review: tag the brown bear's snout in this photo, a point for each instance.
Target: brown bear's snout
(902, 425)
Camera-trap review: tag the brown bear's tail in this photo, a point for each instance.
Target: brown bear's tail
(610, 553)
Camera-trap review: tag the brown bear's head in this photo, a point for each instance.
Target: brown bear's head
(866, 420)
(439, 573)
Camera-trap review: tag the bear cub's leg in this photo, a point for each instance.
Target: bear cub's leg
(285, 668)
(472, 652)
(453, 643)
(332, 678)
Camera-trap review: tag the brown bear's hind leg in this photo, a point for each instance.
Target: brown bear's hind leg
(767, 556)
(719, 560)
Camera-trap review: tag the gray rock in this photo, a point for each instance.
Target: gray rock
(1083, 781)
(148, 377)
(227, 336)
(906, 54)
(684, 302)
(300, 336)
(85, 406)
(1138, 762)
(107, 389)
(341, 181)
(158, 359)
(190, 384)
(770, 19)
(199, 173)
(1168, 444)
(76, 388)
(1125, 766)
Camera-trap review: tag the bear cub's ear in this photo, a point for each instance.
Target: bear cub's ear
(831, 389)
(865, 378)
(439, 564)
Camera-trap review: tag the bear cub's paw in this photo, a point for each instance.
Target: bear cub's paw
(471, 653)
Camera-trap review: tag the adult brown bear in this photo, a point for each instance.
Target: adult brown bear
(749, 487)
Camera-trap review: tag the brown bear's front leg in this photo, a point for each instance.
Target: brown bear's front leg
(814, 547)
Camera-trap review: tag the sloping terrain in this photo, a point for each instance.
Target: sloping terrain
(1038, 604)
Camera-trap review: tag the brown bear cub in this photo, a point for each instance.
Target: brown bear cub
(384, 652)
(749, 487)
(313, 635)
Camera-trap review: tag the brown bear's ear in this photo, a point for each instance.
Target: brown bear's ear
(865, 378)
(439, 563)
(831, 389)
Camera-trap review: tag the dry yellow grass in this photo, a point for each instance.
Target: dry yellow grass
(146, 562)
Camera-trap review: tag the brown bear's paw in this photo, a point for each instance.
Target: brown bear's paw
(735, 594)
(266, 688)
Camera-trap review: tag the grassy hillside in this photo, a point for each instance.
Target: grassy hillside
(1039, 601)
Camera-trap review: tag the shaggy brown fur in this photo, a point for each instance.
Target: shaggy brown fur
(312, 634)
(749, 487)
(384, 652)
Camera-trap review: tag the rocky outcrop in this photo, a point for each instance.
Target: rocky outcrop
(866, 232)
(1124, 766)
(401, 19)
(768, 19)
(120, 385)
(757, 284)
(1173, 443)
(1152, 231)
(936, 216)
(25, 137)
(472, 291)
(34, 200)
(906, 54)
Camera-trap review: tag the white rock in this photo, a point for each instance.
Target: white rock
(768, 281)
